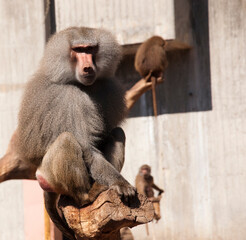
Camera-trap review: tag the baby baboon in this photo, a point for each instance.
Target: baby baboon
(145, 184)
(151, 62)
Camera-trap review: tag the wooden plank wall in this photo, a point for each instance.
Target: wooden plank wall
(21, 46)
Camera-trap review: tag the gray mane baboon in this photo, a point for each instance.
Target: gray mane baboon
(68, 119)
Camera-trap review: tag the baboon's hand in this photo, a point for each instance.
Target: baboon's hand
(124, 189)
(160, 192)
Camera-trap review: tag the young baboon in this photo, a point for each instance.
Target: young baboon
(151, 57)
(151, 62)
(145, 184)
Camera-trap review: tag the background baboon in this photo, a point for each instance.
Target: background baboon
(151, 57)
(151, 62)
(145, 184)
(126, 234)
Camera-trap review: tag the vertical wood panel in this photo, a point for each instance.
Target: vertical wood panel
(21, 46)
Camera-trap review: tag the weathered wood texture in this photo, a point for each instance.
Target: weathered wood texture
(21, 47)
(131, 21)
(104, 218)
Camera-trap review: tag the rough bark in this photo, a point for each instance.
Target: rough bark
(104, 218)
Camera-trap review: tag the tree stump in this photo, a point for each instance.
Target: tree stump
(104, 218)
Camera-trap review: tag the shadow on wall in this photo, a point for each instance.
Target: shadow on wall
(187, 87)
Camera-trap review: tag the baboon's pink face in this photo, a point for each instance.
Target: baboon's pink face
(83, 60)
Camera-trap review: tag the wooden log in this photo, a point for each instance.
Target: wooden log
(12, 166)
(104, 218)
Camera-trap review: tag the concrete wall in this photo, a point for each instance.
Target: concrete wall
(21, 45)
(198, 156)
(131, 21)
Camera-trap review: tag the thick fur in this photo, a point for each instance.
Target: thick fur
(151, 57)
(57, 53)
(49, 109)
(54, 102)
(68, 130)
